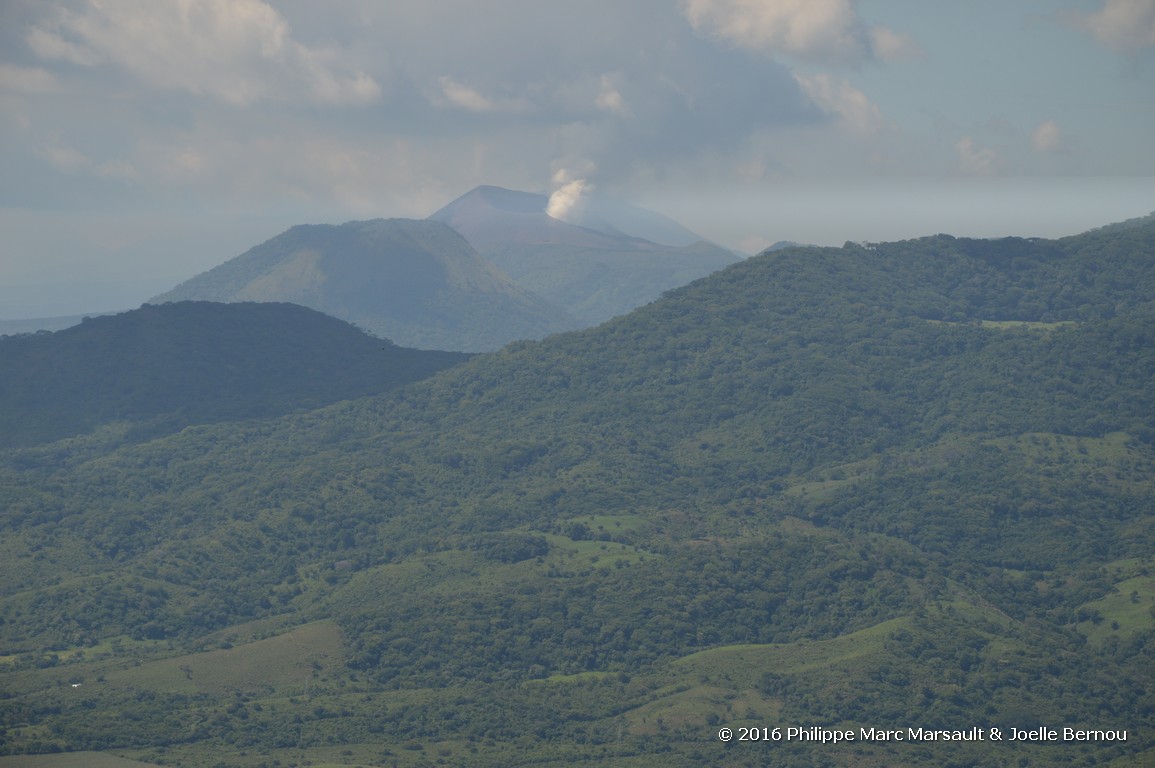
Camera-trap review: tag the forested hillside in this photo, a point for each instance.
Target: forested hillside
(895, 485)
(163, 367)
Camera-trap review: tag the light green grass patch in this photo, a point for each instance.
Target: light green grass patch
(564, 551)
(1127, 611)
(822, 483)
(1144, 759)
(1013, 325)
(414, 753)
(433, 574)
(742, 666)
(283, 662)
(577, 677)
(72, 760)
(611, 524)
(700, 706)
(1028, 325)
(1129, 567)
(1117, 461)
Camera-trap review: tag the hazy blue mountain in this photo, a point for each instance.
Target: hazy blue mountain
(162, 367)
(636, 221)
(417, 283)
(612, 258)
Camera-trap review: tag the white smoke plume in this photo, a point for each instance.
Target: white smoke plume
(568, 201)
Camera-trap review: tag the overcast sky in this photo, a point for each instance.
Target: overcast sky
(144, 141)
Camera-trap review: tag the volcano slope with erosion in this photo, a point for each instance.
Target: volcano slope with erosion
(897, 486)
(606, 259)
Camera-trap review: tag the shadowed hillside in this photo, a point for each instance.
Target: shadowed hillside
(162, 367)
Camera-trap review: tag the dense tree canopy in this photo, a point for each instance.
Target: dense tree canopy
(901, 484)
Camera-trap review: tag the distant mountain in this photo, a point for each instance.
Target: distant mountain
(187, 363)
(614, 258)
(417, 283)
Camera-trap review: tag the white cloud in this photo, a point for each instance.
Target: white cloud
(117, 169)
(609, 98)
(820, 31)
(237, 51)
(187, 162)
(889, 45)
(71, 160)
(301, 166)
(463, 96)
(1046, 137)
(456, 94)
(15, 79)
(65, 158)
(975, 160)
(844, 100)
(49, 45)
(1122, 25)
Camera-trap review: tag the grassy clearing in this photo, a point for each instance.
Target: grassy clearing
(1029, 325)
(565, 552)
(414, 754)
(742, 666)
(579, 677)
(1127, 611)
(282, 662)
(611, 524)
(699, 707)
(1144, 759)
(72, 760)
(1115, 462)
(722, 684)
(248, 632)
(820, 484)
(1014, 325)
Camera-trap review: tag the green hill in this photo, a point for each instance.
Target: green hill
(163, 367)
(894, 486)
(417, 283)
